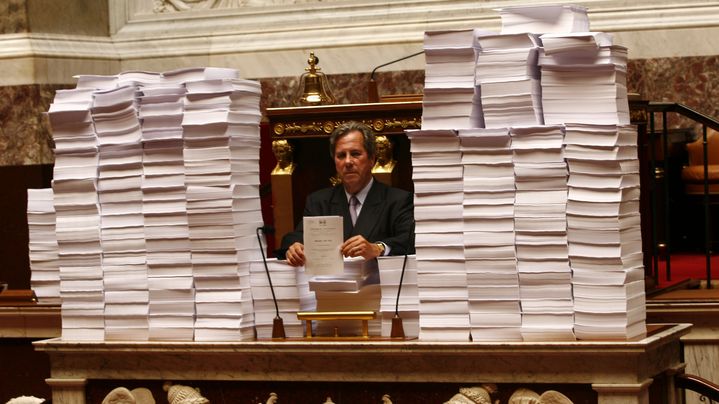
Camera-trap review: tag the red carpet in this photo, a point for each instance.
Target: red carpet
(685, 266)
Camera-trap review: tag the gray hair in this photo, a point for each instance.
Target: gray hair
(354, 126)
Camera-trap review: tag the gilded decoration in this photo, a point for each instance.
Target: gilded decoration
(283, 152)
(289, 129)
(413, 123)
(384, 151)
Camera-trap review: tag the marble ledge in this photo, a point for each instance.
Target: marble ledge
(612, 362)
(659, 333)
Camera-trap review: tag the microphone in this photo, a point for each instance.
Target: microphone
(372, 91)
(278, 327)
(397, 330)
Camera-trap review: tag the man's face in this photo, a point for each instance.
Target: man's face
(352, 162)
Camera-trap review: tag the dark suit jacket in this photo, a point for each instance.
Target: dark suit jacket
(387, 215)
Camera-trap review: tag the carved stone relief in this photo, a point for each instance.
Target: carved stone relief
(483, 394)
(169, 6)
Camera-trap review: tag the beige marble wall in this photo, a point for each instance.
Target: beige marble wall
(43, 43)
(25, 139)
(24, 133)
(13, 17)
(693, 81)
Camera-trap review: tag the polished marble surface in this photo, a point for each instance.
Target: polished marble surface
(13, 17)
(24, 132)
(600, 361)
(616, 370)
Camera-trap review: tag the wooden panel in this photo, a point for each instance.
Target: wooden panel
(14, 182)
(307, 129)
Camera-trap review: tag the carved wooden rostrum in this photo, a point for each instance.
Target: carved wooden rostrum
(306, 130)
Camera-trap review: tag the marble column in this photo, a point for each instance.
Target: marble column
(623, 393)
(67, 390)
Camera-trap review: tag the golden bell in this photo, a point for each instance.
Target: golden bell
(314, 88)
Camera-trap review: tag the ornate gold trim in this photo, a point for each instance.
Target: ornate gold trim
(379, 125)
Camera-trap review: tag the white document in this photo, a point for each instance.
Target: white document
(323, 237)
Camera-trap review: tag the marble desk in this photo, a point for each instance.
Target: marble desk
(620, 372)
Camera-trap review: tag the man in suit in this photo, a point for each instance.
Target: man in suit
(383, 216)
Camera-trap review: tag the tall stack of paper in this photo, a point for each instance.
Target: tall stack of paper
(122, 226)
(214, 264)
(488, 212)
(163, 192)
(44, 270)
(244, 119)
(395, 285)
(441, 273)
(292, 293)
(157, 135)
(604, 232)
(449, 101)
(507, 79)
(544, 19)
(583, 79)
(541, 232)
(77, 215)
(245, 167)
(206, 131)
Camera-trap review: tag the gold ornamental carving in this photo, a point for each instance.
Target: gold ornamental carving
(413, 123)
(326, 127)
(289, 129)
(638, 115)
(329, 126)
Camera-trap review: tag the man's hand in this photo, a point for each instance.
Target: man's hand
(296, 255)
(358, 246)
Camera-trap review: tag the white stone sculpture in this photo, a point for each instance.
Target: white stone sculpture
(527, 396)
(119, 395)
(273, 399)
(122, 395)
(26, 400)
(179, 394)
(473, 395)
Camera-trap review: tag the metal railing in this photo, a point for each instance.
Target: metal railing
(645, 114)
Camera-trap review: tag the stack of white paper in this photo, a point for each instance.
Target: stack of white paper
(390, 273)
(583, 79)
(356, 274)
(507, 79)
(604, 232)
(140, 79)
(439, 243)
(245, 167)
(488, 211)
(44, 270)
(292, 293)
(449, 94)
(157, 134)
(541, 234)
(163, 192)
(221, 140)
(544, 19)
(122, 233)
(184, 75)
(77, 215)
(356, 288)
